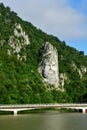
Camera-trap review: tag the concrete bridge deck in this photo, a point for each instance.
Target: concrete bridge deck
(21, 107)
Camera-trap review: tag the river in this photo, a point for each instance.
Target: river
(48, 120)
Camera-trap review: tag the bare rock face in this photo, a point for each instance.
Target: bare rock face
(17, 41)
(49, 65)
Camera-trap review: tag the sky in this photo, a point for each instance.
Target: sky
(66, 19)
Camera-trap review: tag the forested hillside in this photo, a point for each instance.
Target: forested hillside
(20, 80)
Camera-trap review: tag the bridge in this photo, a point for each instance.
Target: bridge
(21, 107)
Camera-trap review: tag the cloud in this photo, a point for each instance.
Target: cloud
(53, 16)
(65, 21)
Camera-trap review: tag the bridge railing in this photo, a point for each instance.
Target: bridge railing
(41, 105)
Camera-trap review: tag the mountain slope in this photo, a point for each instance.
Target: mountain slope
(20, 57)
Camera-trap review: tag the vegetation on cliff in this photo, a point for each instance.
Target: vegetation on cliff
(20, 81)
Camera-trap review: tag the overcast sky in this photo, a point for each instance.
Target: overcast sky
(66, 19)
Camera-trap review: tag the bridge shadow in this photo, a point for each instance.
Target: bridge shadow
(6, 113)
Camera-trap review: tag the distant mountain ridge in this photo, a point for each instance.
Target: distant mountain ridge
(36, 67)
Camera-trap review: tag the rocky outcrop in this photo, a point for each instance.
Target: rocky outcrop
(49, 64)
(62, 78)
(18, 40)
(81, 70)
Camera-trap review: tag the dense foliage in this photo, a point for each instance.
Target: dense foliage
(20, 81)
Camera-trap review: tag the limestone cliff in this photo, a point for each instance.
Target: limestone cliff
(19, 40)
(49, 65)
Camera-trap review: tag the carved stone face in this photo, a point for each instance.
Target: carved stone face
(49, 65)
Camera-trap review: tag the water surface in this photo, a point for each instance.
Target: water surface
(49, 120)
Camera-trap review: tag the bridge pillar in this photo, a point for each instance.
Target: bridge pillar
(15, 112)
(83, 110)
